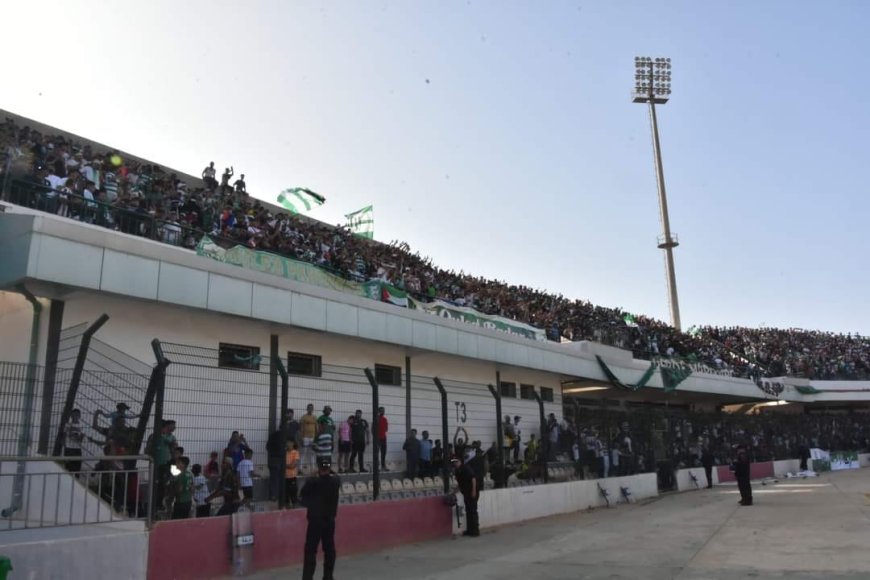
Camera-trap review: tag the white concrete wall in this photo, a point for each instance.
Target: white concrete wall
(66, 500)
(498, 507)
(684, 480)
(864, 459)
(16, 320)
(95, 551)
(237, 405)
(784, 466)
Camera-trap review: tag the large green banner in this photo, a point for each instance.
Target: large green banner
(471, 316)
(278, 266)
(269, 263)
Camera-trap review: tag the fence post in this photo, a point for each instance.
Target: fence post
(285, 402)
(376, 465)
(499, 436)
(147, 404)
(55, 321)
(159, 391)
(408, 419)
(545, 438)
(274, 360)
(445, 434)
(81, 357)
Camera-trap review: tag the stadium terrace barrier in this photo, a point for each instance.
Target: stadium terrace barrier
(785, 466)
(108, 550)
(498, 507)
(864, 459)
(758, 470)
(684, 478)
(200, 548)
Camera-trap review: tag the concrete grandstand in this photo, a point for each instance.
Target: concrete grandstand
(150, 281)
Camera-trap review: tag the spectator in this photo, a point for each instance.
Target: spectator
(292, 473)
(308, 425)
(412, 454)
(325, 433)
(73, 436)
(164, 451)
(509, 436)
(425, 455)
(344, 446)
(438, 459)
(361, 437)
(213, 470)
(240, 186)
(183, 490)
(553, 433)
(236, 448)
(225, 180)
(382, 428)
(208, 176)
(247, 475)
(517, 438)
(200, 492)
(293, 427)
(228, 490)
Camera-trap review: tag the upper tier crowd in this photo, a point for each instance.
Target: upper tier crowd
(101, 186)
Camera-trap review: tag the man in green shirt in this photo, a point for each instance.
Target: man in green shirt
(183, 490)
(164, 450)
(325, 434)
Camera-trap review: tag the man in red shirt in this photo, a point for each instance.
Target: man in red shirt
(381, 427)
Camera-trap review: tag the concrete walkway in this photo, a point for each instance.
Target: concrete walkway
(808, 528)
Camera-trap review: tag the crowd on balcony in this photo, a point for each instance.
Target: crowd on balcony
(103, 187)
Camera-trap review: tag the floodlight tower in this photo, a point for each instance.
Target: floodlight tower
(652, 85)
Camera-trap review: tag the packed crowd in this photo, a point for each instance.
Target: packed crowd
(103, 187)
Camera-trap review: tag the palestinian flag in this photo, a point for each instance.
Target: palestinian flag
(394, 295)
(299, 199)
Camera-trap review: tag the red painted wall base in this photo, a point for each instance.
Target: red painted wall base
(200, 548)
(756, 471)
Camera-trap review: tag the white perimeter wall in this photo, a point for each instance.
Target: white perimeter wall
(498, 507)
(97, 551)
(684, 479)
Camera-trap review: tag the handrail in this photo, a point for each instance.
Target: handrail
(67, 458)
(72, 496)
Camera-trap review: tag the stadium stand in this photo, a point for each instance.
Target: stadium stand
(98, 185)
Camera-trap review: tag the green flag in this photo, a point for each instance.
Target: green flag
(630, 321)
(362, 222)
(299, 199)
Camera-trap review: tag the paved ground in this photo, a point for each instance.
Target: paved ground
(799, 529)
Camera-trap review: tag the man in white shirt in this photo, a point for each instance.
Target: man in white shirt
(246, 475)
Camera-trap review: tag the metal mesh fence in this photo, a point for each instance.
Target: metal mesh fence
(209, 401)
(15, 413)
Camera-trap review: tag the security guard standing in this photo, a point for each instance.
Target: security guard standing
(742, 473)
(320, 496)
(467, 483)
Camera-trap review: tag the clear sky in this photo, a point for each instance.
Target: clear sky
(499, 137)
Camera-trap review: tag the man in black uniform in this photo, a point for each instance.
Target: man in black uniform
(467, 483)
(320, 496)
(707, 461)
(741, 472)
